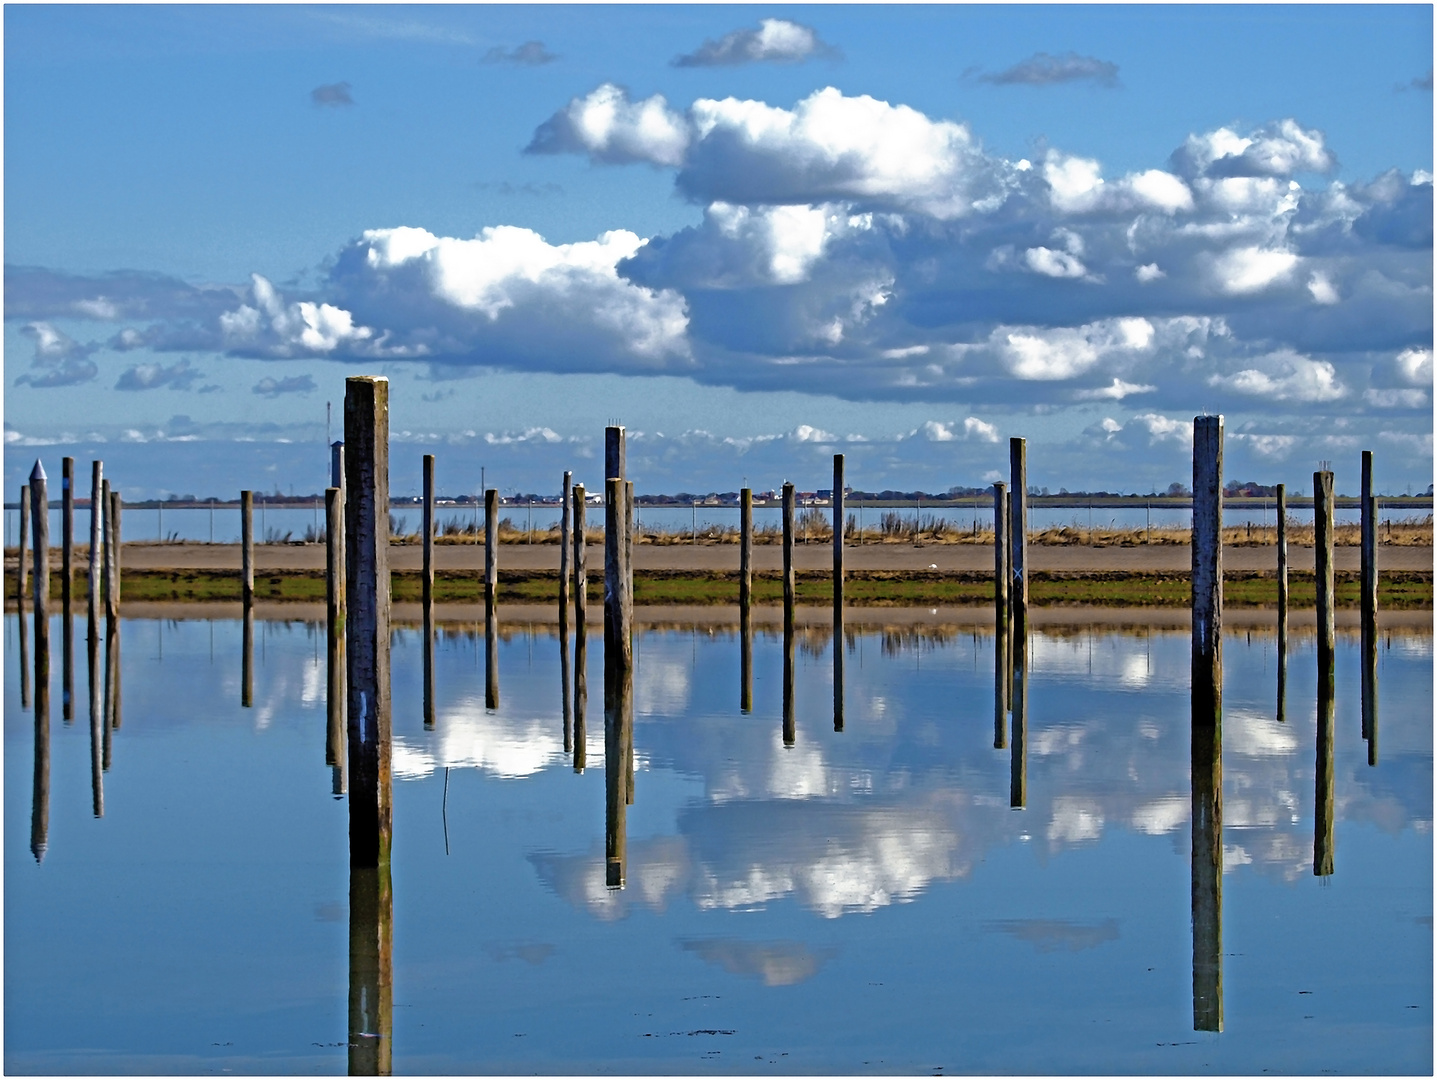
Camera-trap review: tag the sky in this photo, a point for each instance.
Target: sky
(755, 236)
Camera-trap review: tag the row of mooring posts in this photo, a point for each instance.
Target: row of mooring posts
(103, 603)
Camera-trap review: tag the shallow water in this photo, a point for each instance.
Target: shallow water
(860, 901)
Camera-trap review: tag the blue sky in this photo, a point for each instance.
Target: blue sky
(756, 235)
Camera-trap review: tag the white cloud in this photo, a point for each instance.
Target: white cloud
(1279, 149)
(975, 428)
(1285, 376)
(1149, 272)
(1050, 263)
(775, 40)
(283, 329)
(1415, 366)
(1245, 270)
(1115, 391)
(1322, 289)
(1065, 352)
(1165, 429)
(1395, 399)
(610, 128)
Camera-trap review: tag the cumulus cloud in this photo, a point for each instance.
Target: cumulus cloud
(531, 53)
(271, 387)
(1044, 69)
(612, 130)
(332, 95)
(59, 360)
(1285, 376)
(1278, 150)
(177, 376)
(775, 40)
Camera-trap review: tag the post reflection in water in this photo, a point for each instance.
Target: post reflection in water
(428, 660)
(1282, 659)
(97, 726)
(1322, 840)
(371, 971)
(247, 658)
(789, 732)
(838, 647)
(1207, 859)
(1369, 688)
(745, 658)
(1018, 778)
(336, 736)
(581, 686)
(24, 650)
(1002, 659)
(491, 652)
(40, 804)
(67, 650)
(618, 756)
(112, 689)
(566, 680)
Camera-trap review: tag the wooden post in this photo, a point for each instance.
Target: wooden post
(581, 561)
(566, 681)
(1206, 727)
(334, 749)
(491, 544)
(491, 654)
(1282, 547)
(581, 634)
(1018, 760)
(107, 566)
(618, 739)
(837, 531)
(745, 599)
(1322, 521)
(1018, 531)
(566, 538)
(1369, 542)
(789, 726)
(1207, 572)
(113, 517)
(247, 546)
(1001, 569)
(366, 517)
(618, 644)
(1369, 689)
(40, 524)
(428, 522)
(1002, 666)
(24, 544)
(428, 620)
(93, 583)
(629, 559)
(67, 531)
(615, 452)
(23, 629)
(790, 585)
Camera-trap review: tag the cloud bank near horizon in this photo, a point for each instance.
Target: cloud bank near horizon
(863, 249)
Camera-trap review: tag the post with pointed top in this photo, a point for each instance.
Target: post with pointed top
(1206, 732)
(790, 586)
(1018, 531)
(97, 542)
(24, 541)
(366, 515)
(247, 546)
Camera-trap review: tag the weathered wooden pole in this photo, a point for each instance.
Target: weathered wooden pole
(566, 538)
(1001, 569)
(1322, 505)
(491, 544)
(790, 585)
(1369, 541)
(24, 545)
(334, 749)
(67, 572)
(1018, 531)
(581, 559)
(40, 524)
(428, 519)
(247, 546)
(371, 969)
(1206, 727)
(745, 598)
(1207, 571)
(67, 530)
(366, 517)
(1282, 547)
(107, 557)
(838, 592)
(629, 555)
(93, 582)
(114, 519)
(618, 642)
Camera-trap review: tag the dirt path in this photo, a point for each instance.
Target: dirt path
(952, 558)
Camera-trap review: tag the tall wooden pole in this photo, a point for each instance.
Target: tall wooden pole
(1206, 729)
(566, 539)
(93, 584)
(790, 584)
(745, 598)
(428, 525)
(838, 633)
(67, 574)
(24, 544)
(581, 643)
(115, 521)
(366, 515)
(1018, 529)
(1001, 570)
(247, 546)
(334, 748)
(1369, 541)
(40, 524)
(618, 580)
(1322, 505)
(491, 544)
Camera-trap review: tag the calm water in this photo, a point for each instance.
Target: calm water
(860, 901)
